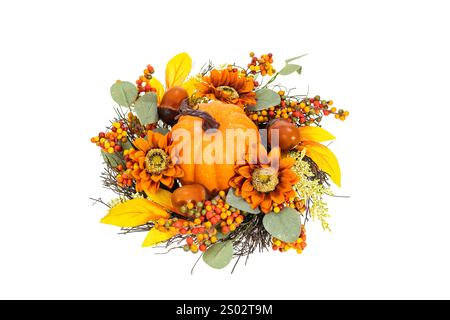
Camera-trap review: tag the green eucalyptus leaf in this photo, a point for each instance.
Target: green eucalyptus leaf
(219, 254)
(146, 108)
(126, 145)
(112, 159)
(124, 93)
(163, 131)
(295, 58)
(299, 71)
(289, 68)
(239, 203)
(285, 225)
(265, 98)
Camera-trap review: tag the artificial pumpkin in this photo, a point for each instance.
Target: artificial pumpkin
(186, 194)
(214, 176)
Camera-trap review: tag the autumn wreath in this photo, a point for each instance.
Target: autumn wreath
(225, 162)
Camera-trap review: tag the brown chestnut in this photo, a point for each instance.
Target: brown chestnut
(187, 193)
(288, 133)
(170, 104)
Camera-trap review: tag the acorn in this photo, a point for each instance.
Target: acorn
(170, 104)
(289, 135)
(187, 193)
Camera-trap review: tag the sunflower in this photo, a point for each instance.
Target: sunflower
(151, 163)
(227, 86)
(262, 185)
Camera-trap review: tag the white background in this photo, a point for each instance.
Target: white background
(385, 61)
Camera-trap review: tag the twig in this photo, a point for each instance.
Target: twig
(192, 270)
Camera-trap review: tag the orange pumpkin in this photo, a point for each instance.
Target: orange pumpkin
(214, 176)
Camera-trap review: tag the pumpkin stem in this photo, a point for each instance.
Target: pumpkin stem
(208, 121)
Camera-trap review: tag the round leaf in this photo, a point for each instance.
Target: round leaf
(289, 68)
(285, 225)
(124, 93)
(146, 108)
(219, 255)
(163, 131)
(239, 203)
(265, 98)
(112, 159)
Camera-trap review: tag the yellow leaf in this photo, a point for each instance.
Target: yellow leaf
(189, 85)
(324, 158)
(162, 197)
(154, 236)
(133, 213)
(154, 83)
(318, 134)
(177, 70)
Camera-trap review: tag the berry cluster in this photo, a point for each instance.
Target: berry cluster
(206, 219)
(112, 140)
(124, 177)
(304, 111)
(262, 65)
(143, 83)
(299, 245)
(136, 128)
(294, 203)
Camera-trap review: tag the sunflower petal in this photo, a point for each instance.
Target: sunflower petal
(141, 144)
(245, 171)
(177, 70)
(318, 134)
(247, 186)
(324, 158)
(168, 181)
(277, 196)
(133, 213)
(266, 204)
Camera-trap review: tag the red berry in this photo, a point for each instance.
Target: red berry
(225, 229)
(139, 82)
(178, 224)
(117, 148)
(148, 87)
(195, 230)
(209, 215)
(101, 135)
(183, 231)
(326, 112)
(202, 248)
(189, 240)
(214, 220)
(201, 230)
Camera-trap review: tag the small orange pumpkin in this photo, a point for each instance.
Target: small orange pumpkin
(188, 193)
(214, 176)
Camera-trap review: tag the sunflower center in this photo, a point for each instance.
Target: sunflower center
(264, 179)
(230, 92)
(156, 161)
